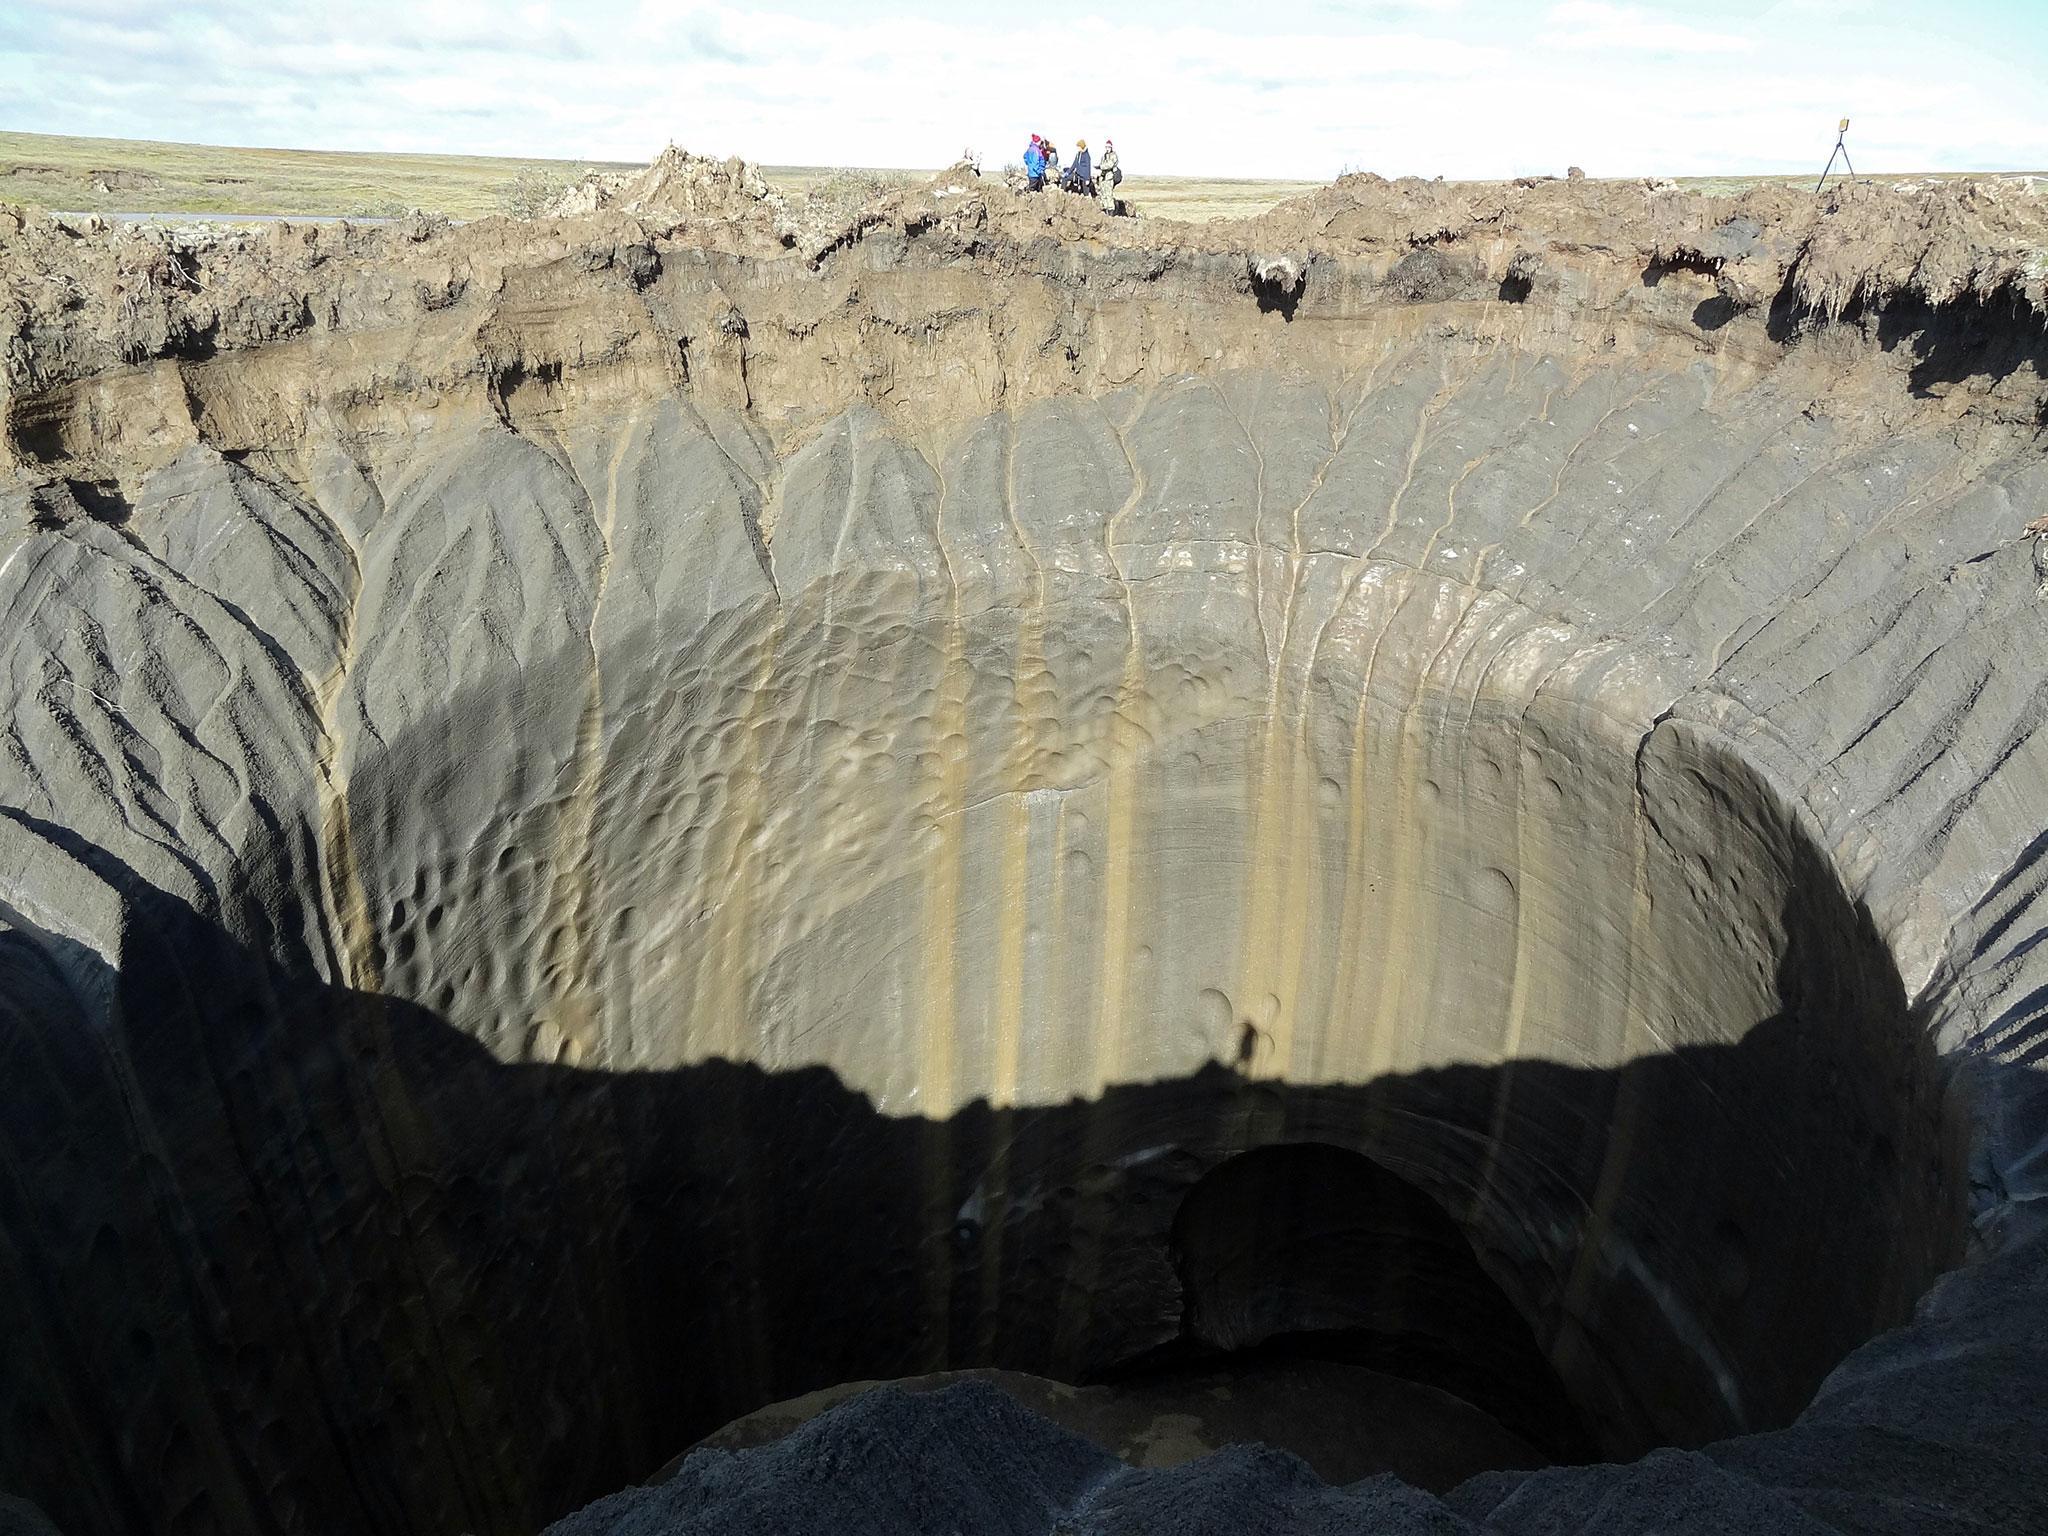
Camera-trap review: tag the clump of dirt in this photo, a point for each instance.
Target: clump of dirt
(678, 187)
(1043, 292)
(125, 181)
(1859, 245)
(1938, 242)
(845, 194)
(680, 190)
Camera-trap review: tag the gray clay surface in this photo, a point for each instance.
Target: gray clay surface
(608, 821)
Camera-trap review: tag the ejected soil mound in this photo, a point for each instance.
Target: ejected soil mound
(613, 821)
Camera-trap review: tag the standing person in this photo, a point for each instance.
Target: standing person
(1052, 160)
(1082, 172)
(1108, 172)
(1034, 164)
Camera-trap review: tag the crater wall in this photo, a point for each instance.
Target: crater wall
(677, 829)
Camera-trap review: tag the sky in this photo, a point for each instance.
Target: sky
(1459, 88)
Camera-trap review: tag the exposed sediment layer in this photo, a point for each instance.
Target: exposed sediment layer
(611, 821)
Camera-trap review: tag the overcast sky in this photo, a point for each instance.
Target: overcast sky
(1451, 87)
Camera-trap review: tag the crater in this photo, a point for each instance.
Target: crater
(1446, 892)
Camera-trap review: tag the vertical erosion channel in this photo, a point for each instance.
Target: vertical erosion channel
(1028, 966)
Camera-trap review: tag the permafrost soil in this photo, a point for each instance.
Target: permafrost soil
(1429, 805)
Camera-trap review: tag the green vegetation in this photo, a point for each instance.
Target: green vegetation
(842, 193)
(533, 187)
(139, 176)
(134, 176)
(1199, 199)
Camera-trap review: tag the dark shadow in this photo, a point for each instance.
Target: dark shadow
(56, 503)
(1974, 335)
(102, 500)
(1279, 291)
(1303, 1250)
(1712, 314)
(1683, 261)
(192, 342)
(35, 430)
(281, 1257)
(509, 377)
(1789, 316)
(1516, 287)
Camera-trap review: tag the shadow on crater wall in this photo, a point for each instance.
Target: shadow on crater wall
(279, 1257)
(1305, 1250)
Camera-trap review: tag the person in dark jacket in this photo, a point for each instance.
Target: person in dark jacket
(1081, 174)
(1052, 159)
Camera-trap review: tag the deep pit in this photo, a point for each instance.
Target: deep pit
(1001, 999)
(548, 908)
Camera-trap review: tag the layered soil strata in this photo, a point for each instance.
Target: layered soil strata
(610, 821)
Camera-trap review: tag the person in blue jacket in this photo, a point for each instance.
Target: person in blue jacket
(1034, 165)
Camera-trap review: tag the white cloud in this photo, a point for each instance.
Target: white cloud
(1832, 10)
(1588, 24)
(1196, 88)
(1375, 9)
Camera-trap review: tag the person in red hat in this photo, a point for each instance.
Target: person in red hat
(1034, 163)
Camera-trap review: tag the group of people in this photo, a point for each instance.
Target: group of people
(1089, 177)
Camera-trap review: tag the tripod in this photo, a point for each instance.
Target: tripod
(1842, 149)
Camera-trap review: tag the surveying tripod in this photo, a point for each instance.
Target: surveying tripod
(1842, 149)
